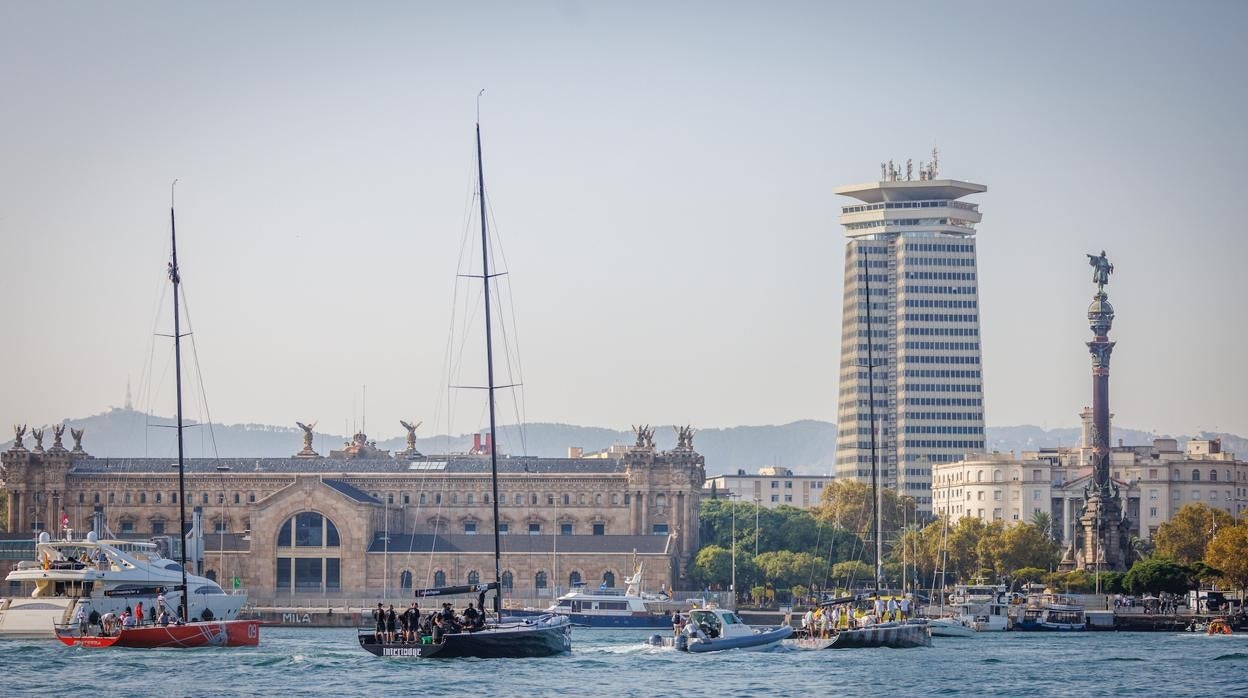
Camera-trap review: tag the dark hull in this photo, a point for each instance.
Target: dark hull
(894, 636)
(499, 642)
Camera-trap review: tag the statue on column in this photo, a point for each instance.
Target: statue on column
(645, 436)
(57, 431)
(1101, 268)
(19, 432)
(684, 437)
(77, 436)
(37, 433)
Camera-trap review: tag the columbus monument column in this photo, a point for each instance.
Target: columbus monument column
(1101, 520)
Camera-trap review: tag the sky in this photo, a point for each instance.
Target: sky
(661, 176)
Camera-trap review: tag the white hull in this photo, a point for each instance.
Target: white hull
(949, 627)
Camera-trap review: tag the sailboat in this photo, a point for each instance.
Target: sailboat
(539, 636)
(895, 634)
(181, 633)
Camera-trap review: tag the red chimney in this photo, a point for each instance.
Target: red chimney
(476, 443)
(489, 444)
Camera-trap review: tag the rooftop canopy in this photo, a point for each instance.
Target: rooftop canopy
(911, 190)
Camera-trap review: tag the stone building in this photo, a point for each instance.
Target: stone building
(368, 522)
(1154, 480)
(771, 487)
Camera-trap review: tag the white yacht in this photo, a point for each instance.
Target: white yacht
(101, 576)
(982, 607)
(611, 608)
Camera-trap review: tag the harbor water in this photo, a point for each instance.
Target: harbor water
(327, 661)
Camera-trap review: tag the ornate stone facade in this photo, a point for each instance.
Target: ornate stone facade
(562, 515)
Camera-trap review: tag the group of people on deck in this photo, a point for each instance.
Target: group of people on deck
(110, 622)
(824, 620)
(407, 627)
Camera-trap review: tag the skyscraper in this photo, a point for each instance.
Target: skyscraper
(911, 314)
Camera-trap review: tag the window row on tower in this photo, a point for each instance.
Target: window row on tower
(939, 303)
(956, 346)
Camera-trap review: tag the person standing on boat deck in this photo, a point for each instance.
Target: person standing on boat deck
(836, 616)
(808, 622)
(81, 620)
(438, 632)
(163, 618)
(391, 621)
(892, 609)
(379, 623)
(905, 607)
(138, 613)
(403, 627)
(879, 609)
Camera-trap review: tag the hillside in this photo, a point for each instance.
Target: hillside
(805, 446)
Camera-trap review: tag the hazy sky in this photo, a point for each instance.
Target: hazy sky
(662, 174)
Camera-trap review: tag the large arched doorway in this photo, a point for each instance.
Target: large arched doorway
(308, 555)
(574, 579)
(405, 579)
(608, 579)
(508, 581)
(439, 579)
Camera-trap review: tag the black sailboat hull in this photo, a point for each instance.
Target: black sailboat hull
(897, 636)
(510, 640)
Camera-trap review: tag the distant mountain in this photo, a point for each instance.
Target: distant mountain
(806, 446)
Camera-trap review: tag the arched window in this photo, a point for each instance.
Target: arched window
(539, 580)
(439, 578)
(474, 577)
(238, 497)
(469, 498)
(996, 476)
(1195, 475)
(508, 580)
(533, 500)
(143, 495)
(979, 476)
(608, 579)
(574, 579)
(1213, 476)
(598, 498)
(422, 497)
(567, 500)
(405, 579)
(307, 545)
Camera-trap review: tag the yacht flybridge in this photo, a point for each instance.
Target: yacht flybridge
(100, 576)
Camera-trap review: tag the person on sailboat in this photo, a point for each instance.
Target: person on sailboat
(905, 607)
(81, 620)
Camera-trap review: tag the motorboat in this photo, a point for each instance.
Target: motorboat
(949, 626)
(98, 577)
(630, 607)
(1052, 612)
(711, 629)
(982, 607)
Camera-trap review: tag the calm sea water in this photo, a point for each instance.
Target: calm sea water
(293, 661)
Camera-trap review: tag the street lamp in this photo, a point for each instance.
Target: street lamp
(733, 586)
(756, 505)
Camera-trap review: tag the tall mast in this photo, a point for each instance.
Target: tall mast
(875, 477)
(177, 373)
(489, 370)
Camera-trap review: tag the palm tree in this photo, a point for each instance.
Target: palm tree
(1043, 521)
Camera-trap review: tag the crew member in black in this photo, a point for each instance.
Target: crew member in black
(379, 624)
(413, 623)
(470, 617)
(391, 621)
